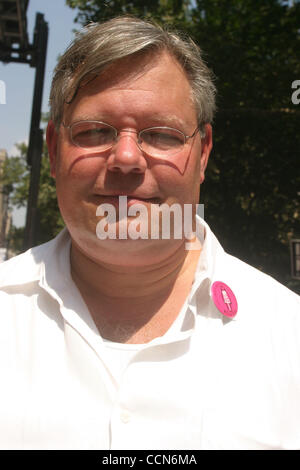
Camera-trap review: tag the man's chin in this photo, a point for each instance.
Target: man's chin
(124, 251)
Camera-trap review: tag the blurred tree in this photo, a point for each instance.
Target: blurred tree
(252, 187)
(171, 11)
(253, 48)
(16, 174)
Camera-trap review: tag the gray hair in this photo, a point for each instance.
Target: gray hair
(99, 45)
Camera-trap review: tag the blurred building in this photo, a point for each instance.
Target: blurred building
(5, 214)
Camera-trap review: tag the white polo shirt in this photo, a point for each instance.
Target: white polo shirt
(209, 383)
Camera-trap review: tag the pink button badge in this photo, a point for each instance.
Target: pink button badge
(224, 299)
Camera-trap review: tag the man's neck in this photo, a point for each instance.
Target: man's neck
(134, 305)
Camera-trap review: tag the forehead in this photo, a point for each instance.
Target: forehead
(151, 87)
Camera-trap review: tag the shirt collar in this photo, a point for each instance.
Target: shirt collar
(212, 266)
(31, 266)
(41, 264)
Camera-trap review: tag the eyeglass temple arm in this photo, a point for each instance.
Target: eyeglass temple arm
(194, 133)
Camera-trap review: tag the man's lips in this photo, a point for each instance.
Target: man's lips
(131, 199)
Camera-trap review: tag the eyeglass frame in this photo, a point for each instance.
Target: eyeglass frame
(186, 137)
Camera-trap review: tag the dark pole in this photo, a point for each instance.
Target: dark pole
(35, 146)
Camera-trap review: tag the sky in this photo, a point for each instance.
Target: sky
(15, 114)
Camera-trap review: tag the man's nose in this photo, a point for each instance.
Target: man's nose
(126, 155)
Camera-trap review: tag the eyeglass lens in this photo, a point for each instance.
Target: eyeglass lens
(155, 141)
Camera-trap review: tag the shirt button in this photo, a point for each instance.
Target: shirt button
(125, 416)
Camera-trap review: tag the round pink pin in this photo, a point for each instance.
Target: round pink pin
(224, 299)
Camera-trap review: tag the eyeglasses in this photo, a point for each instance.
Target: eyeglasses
(155, 141)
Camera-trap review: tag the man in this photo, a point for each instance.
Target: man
(111, 341)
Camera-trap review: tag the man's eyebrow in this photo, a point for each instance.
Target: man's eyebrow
(169, 120)
(85, 117)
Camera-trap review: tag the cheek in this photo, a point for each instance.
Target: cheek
(78, 170)
(195, 175)
(75, 179)
(184, 187)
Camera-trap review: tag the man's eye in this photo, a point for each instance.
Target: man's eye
(162, 139)
(91, 132)
(93, 136)
(101, 133)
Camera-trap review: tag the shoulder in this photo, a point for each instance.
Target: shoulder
(27, 267)
(255, 286)
(268, 312)
(23, 268)
(254, 290)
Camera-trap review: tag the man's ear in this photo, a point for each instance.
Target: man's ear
(52, 138)
(207, 145)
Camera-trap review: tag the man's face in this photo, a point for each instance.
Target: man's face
(131, 96)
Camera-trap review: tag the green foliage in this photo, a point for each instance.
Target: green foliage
(172, 11)
(253, 47)
(251, 193)
(16, 175)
